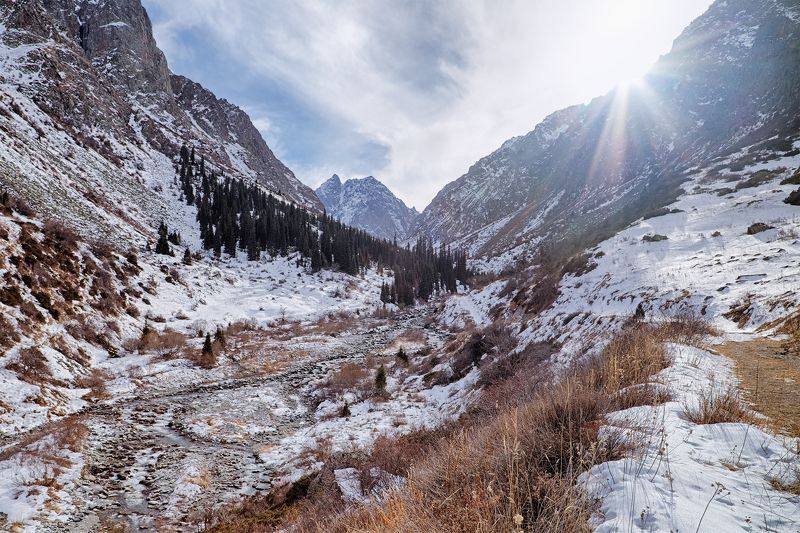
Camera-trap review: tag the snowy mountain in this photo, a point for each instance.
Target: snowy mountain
(368, 204)
(588, 170)
(91, 118)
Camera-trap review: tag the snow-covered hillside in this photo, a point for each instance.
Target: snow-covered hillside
(726, 252)
(91, 118)
(588, 170)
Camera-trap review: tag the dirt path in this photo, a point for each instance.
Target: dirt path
(152, 461)
(769, 375)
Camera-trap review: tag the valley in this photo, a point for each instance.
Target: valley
(154, 459)
(596, 327)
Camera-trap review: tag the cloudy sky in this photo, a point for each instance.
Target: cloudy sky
(412, 92)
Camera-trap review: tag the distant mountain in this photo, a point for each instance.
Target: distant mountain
(91, 118)
(728, 90)
(368, 204)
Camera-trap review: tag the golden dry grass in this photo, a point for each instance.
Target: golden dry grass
(510, 464)
(769, 380)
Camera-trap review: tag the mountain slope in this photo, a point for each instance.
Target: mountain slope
(368, 204)
(91, 118)
(588, 170)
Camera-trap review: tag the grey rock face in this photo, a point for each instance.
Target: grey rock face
(732, 80)
(368, 204)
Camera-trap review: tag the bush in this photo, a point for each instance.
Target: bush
(350, 377)
(794, 179)
(9, 335)
(793, 198)
(59, 232)
(402, 355)
(10, 295)
(380, 379)
(31, 366)
(654, 238)
(758, 227)
(716, 407)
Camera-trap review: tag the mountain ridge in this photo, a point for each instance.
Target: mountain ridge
(93, 119)
(588, 170)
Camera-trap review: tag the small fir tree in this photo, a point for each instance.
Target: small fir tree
(380, 379)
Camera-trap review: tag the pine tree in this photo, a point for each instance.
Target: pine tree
(187, 257)
(380, 379)
(219, 337)
(162, 245)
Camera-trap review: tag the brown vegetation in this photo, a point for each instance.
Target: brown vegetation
(509, 464)
(716, 406)
(769, 377)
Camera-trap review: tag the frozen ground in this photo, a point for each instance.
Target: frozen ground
(687, 477)
(684, 477)
(184, 439)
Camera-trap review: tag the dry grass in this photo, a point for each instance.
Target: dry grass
(791, 486)
(95, 381)
(717, 406)
(332, 324)
(769, 377)
(511, 463)
(350, 377)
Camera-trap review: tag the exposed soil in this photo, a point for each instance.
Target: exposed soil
(770, 380)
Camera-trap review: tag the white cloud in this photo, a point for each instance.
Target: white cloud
(440, 84)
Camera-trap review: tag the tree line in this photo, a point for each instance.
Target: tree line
(238, 217)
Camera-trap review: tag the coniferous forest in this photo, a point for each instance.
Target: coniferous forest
(237, 217)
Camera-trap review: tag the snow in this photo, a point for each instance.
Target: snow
(349, 482)
(230, 290)
(687, 477)
(410, 407)
(34, 477)
(472, 307)
(707, 265)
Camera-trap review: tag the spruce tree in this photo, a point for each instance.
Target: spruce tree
(380, 379)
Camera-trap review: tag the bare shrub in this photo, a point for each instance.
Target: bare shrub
(685, 328)
(579, 264)
(716, 406)
(31, 367)
(350, 377)
(70, 433)
(540, 296)
(168, 343)
(504, 367)
(59, 232)
(241, 326)
(96, 382)
(494, 339)
(9, 335)
(332, 324)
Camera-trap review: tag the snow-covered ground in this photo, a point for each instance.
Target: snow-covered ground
(683, 476)
(706, 265)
